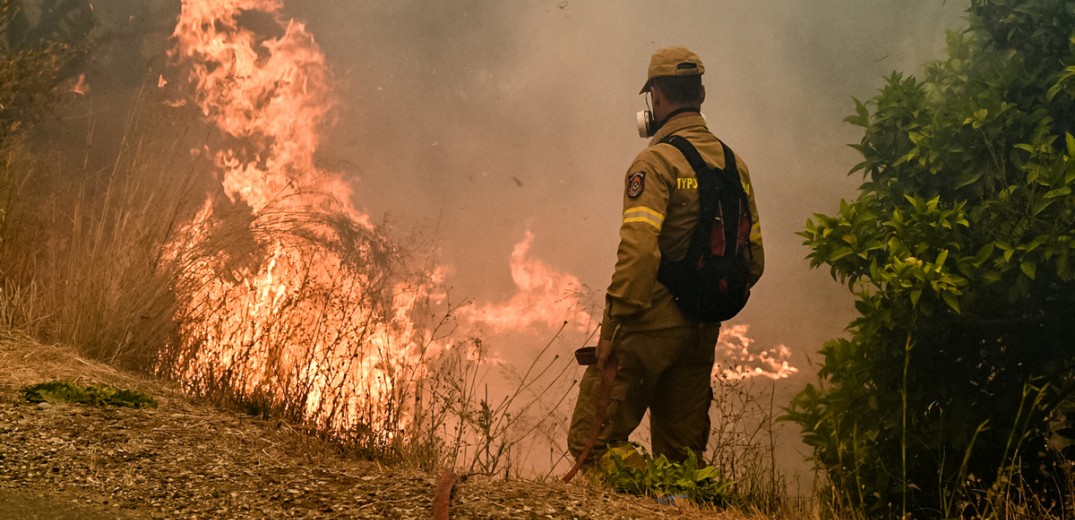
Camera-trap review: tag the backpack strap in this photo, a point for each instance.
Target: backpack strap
(716, 186)
(695, 159)
(687, 149)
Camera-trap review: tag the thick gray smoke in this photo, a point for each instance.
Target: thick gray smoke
(489, 118)
(480, 120)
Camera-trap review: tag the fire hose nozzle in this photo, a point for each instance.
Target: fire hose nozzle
(586, 356)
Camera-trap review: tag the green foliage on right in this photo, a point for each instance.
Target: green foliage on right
(959, 250)
(99, 394)
(627, 471)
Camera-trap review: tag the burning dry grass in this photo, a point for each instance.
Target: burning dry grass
(288, 299)
(436, 411)
(102, 265)
(95, 266)
(243, 272)
(187, 459)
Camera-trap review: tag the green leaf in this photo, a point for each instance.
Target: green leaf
(952, 300)
(983, 254)
(705, 473)
(862, 115)
(840, 253)
(1059, 192)
(1030, 269)
(1042, 205)
(972, 179)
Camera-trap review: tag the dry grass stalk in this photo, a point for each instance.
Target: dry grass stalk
(101, 261)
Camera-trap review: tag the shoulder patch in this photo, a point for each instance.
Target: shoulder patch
(636, 182)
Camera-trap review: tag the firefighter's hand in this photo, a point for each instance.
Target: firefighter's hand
(604, 350)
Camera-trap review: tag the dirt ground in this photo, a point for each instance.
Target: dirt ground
(186, 459)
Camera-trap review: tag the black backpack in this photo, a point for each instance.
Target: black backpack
(711, 283)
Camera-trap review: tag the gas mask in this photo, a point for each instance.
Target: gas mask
(647, 125)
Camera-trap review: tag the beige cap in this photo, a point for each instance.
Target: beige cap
(673, 61)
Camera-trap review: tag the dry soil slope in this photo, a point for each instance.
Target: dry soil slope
(188, 459)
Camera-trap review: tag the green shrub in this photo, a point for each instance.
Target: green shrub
(958, 251)
(98, 394)
(628, 472)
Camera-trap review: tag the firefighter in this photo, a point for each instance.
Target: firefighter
(665, 358)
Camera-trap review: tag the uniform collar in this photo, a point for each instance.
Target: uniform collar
(677, 123)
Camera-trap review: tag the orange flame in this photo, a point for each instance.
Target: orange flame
(544, 298)
(745, 361)
(81, 87)
(272, 94)
(287, 294)
(287, 288)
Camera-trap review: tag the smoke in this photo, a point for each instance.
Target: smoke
(486, 121)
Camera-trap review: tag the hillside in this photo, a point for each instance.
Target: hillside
(192, 460)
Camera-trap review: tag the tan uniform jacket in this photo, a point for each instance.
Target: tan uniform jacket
(660, 211)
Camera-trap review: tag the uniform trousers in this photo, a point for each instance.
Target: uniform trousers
(667, 371)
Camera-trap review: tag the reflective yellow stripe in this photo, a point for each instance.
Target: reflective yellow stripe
(643, 214)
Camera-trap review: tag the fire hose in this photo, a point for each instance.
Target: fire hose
(446, 482)
(604, 396)
(444, 495)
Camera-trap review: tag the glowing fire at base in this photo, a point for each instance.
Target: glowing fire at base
(738, 358)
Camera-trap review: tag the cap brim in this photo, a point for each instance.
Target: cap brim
(645, 88)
